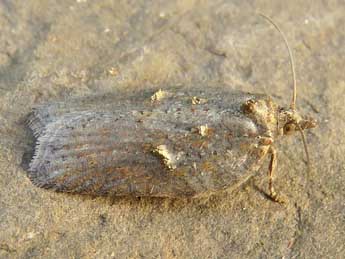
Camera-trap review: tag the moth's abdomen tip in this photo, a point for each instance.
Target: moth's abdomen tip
(32, 175)
(38, 175)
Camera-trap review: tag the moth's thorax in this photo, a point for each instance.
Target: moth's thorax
(264, 112)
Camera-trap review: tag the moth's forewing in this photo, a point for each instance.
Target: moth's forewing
(172, 146)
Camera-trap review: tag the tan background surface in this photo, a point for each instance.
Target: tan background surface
(50, 50)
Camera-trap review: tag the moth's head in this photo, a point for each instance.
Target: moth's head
(289, 122)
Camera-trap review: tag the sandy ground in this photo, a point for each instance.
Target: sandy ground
(51, 50)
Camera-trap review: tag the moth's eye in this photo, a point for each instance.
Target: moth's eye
(289, 128)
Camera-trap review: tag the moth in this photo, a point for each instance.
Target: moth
(180, 142)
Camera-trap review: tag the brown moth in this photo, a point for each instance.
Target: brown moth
(181, 142)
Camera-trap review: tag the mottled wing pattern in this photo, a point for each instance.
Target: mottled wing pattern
(132, 145)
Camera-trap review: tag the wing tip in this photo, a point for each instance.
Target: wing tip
(31, 158)
(34, 121)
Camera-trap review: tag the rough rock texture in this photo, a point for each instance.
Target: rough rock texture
(52, 50)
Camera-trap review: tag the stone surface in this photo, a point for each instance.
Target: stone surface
(52, 50)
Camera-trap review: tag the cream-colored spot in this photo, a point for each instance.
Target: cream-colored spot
(169, 158)
(159, 95)
(197, 100)
(113, 71)
(203, 130)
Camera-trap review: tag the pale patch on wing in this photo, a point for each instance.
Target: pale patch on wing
(243, 127)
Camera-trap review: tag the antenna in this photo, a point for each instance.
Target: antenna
(304, 143)
(293, 102)
(294, 95)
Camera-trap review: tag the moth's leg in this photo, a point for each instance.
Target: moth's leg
(271, 170)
